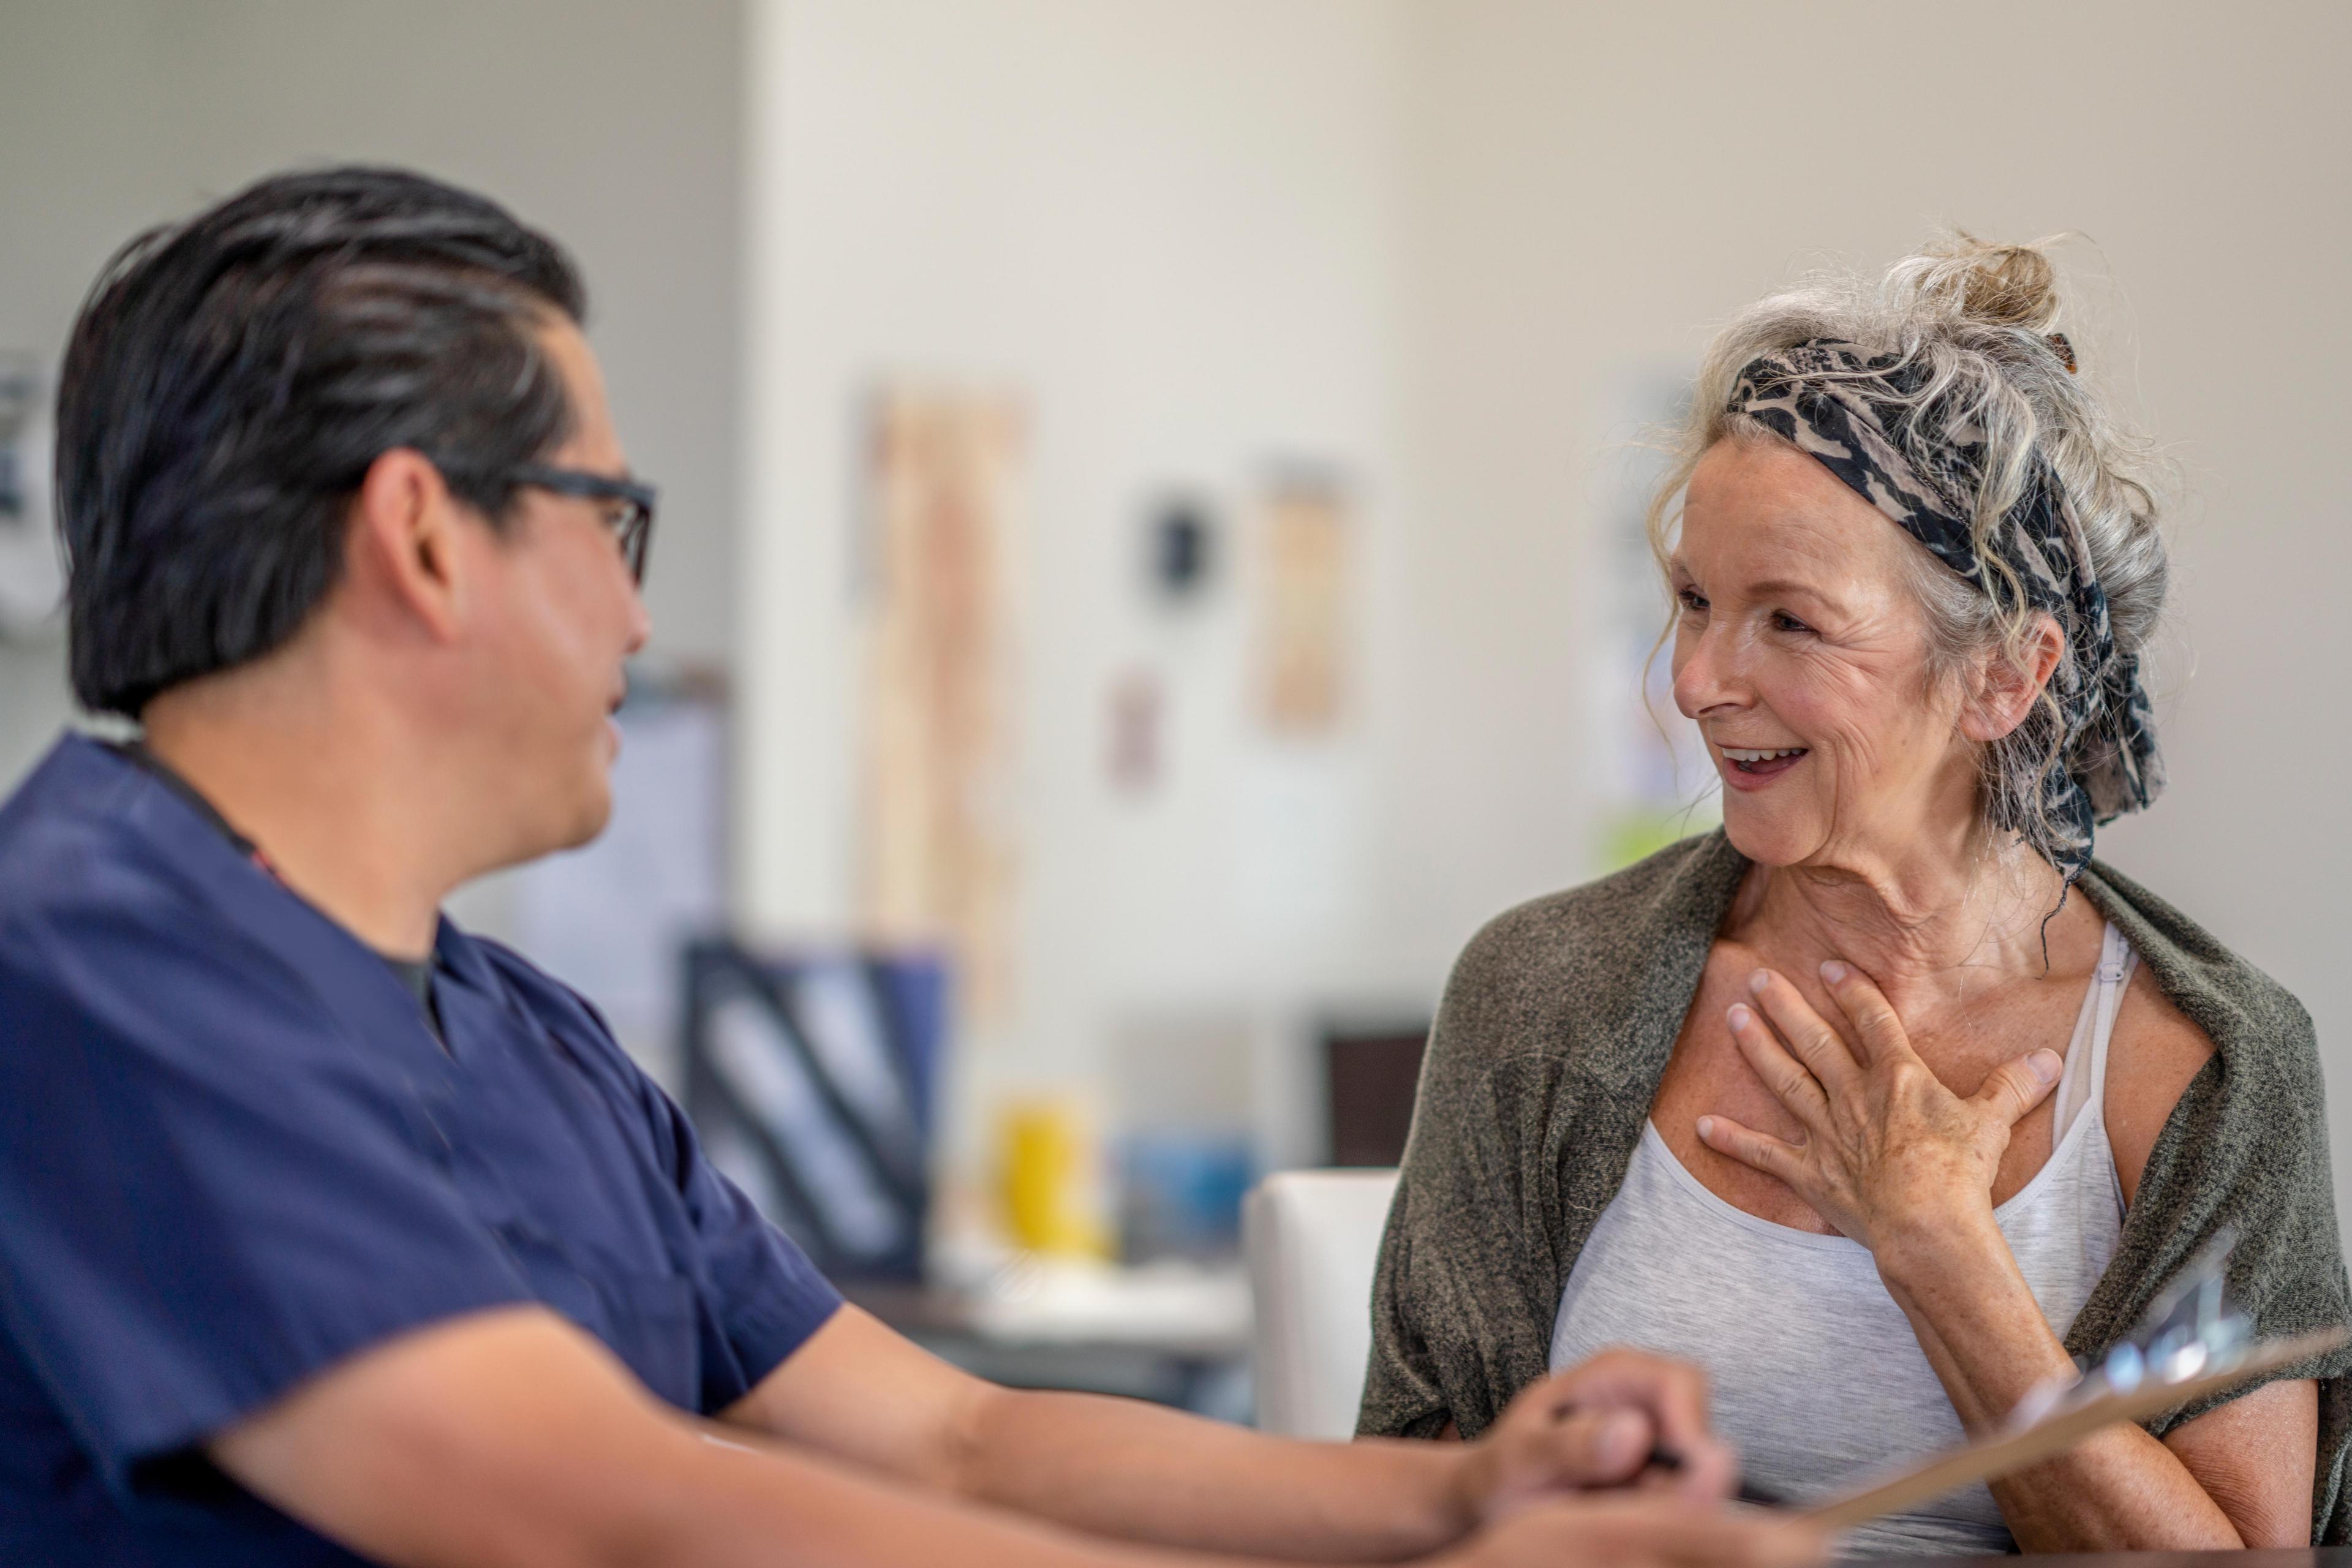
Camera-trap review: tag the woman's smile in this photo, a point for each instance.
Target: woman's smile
(1753, 767)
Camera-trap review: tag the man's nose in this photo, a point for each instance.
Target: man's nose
(641, 622)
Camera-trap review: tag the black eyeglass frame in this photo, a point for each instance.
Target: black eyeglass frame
(635, 530)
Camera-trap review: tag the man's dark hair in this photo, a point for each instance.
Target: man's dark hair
(231, 378)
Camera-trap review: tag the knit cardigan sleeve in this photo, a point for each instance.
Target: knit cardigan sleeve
(2245, 1149)
(1554, 1028)
(1455, 1329)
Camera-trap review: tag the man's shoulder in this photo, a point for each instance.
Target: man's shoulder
(579, 1027)
(534, 987)
(67, 845)
(114, 931)
(555, 1004)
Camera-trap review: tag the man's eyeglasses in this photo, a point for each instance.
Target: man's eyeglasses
(630, 505)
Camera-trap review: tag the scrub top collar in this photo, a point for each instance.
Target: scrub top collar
(239, 881)
(460, 957)
(137, 752)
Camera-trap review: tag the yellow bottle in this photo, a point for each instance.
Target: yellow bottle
(1049, 1180)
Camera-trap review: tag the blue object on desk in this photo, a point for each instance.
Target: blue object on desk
(1182, 1193)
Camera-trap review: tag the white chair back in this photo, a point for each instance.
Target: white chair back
(1312, 1237)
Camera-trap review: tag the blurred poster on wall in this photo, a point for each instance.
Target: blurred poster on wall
(939, 853)
(1303, 635)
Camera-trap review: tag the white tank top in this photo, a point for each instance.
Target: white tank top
(1817, 1381)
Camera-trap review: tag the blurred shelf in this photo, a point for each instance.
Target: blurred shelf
(1174, 1334)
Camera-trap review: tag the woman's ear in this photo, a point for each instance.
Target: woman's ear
(2009, 683)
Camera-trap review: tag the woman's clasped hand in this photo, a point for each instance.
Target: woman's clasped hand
(1600, 1430)
(1890, 1157)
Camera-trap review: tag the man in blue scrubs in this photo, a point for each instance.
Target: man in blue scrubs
(331, 1233)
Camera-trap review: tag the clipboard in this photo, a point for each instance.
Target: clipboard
(2011, 1447)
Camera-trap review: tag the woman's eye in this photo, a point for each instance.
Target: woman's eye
(1691, 599)
(1784, 622)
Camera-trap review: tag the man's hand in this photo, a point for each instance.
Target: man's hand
(1599, 1423)
(1647, 1530)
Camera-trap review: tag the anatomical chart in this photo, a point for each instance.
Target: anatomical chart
(938, 855)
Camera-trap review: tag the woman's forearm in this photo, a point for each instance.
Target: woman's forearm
(1984, 1335)
(1120, 1467)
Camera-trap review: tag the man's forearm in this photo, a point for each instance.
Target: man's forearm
(754, 1508)
(508, 1439)
(1121, 1467)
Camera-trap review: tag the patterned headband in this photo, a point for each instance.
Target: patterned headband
(1865, 420)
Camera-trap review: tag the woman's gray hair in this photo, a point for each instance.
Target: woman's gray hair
(1983, 321)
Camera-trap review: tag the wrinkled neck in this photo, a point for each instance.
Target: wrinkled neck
(1933, 928)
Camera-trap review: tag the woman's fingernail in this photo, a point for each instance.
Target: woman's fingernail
(1706, 1126)
(2046, 1065)
(1757, 981)
(1739, 1015)
(1833, 972)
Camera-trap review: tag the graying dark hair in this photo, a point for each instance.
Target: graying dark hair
(231, 378)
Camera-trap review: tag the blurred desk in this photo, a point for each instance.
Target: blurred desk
(1175, 1334)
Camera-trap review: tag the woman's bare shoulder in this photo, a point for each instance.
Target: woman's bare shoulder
(2157, 1052)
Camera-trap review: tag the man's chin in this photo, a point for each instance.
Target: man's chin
(593, 817)
(583, 818)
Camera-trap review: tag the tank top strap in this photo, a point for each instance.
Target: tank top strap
(2082, 1085)
(2117, 961)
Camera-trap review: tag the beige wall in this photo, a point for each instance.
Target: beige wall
(1441, 241)
(1597, 184)
(614, 125)
(79, 118)
(1175, 230)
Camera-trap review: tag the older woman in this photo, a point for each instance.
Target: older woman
(1887, 1099)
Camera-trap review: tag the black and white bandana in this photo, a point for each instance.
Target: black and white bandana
(1864, 420)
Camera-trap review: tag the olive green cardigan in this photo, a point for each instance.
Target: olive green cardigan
(1549, 1045)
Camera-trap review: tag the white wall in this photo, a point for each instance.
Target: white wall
(1175, 227)
(613, 125)
(1597, 184)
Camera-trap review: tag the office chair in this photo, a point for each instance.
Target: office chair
(1312, 1237)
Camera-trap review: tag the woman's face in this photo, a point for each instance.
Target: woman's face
(1802, 655)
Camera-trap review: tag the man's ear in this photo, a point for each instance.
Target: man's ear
(405, 540)
(2007, 684)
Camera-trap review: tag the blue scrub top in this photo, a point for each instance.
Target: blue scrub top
(232, 1153)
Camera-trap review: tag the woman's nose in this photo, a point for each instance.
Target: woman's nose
(1707, 673)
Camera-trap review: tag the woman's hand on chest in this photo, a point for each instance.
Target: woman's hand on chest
(1861, 1127)
(1710, 1076)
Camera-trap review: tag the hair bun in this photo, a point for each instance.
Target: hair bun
(1992, 285)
